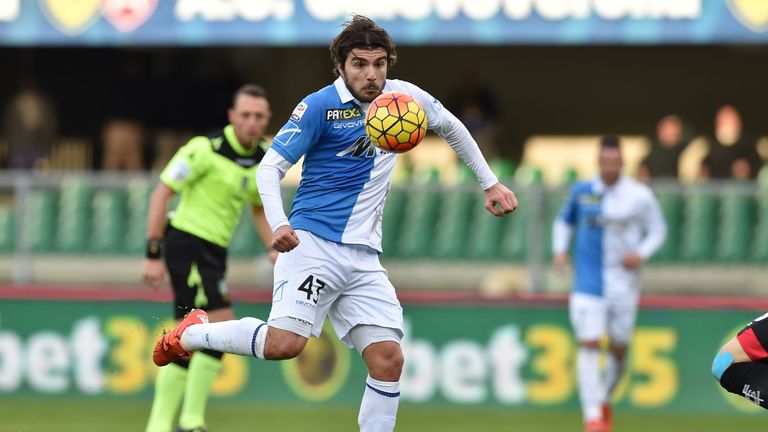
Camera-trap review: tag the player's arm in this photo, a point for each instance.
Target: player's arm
(655, 234)
(291, 142)
(263, 229)
(271, 170)
(499, 200)
(153, 269)
(562, 231)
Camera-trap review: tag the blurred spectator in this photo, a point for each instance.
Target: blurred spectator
(666, 146)
(30, 126)
(475, 105)
(123, 146)
(123, 134)
(732, 152)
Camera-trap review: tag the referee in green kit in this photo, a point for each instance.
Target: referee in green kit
(216, 177)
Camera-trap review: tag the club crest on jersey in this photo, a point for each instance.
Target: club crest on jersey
(299, 111)
(342, 114)
(363, 147)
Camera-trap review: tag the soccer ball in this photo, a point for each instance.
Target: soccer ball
(395, 122)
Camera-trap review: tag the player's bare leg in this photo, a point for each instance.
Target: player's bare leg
(378, 409)
(614, 370)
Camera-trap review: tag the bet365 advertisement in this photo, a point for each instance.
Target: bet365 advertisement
(501, 355)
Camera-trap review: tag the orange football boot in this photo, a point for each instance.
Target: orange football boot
(596, 426)
(169, 346)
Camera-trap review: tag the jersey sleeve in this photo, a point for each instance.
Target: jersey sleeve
(655, 226)
(432, 107)
(569, 210)
(188, 164)
(450, 129)
(301, 132)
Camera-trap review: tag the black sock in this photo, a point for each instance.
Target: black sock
(214, 354)
(181, 361)
(748, 380)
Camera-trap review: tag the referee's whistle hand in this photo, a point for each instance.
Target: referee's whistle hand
(153, 273)
(285, 239)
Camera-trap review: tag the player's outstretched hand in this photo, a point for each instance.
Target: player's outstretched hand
(153, 273)
(285, 239)
(499, 200)
(560, 262)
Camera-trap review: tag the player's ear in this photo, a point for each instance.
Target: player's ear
(231, 115)
(340, 68)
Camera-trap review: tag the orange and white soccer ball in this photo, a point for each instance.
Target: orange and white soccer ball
(395, 122)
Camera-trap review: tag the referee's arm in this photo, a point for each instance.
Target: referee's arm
(264, 230)
(153, 269)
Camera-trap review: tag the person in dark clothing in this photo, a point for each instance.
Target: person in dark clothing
(666, 146)
(732, 152)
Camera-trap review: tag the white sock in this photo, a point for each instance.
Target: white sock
(245, 336)
(378, 410)
(614, 369)
(590, 385)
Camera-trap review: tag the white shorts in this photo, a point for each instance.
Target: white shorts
(347, 282)
(593, 316)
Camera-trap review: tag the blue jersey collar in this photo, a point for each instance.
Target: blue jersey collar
(344, 94)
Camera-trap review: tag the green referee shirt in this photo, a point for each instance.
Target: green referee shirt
(215, 176)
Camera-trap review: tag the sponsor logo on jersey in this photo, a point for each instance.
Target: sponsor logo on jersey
(348, 124)
(298, 112)
(592, 199)
(71, 17)
(342, 114)
(127, 15)
(753, 14)
(286, 134)
(305, 303)
(361, 147)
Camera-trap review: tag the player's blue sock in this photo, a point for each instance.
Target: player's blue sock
(378, 410)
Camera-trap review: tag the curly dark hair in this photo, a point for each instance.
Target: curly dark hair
(361, 32)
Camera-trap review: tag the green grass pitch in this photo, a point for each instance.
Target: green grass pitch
(60, 415)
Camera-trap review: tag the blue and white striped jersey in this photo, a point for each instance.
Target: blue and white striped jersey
(609, 222)
(345, 178)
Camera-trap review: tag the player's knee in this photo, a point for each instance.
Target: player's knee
(723, 360)
(283, 345)
(590, 344)
(385, 361)
(618, 351)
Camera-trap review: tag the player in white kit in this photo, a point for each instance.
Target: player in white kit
(330, 244)
(618, 225)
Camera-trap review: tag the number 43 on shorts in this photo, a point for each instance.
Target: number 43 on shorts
(312, 287)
